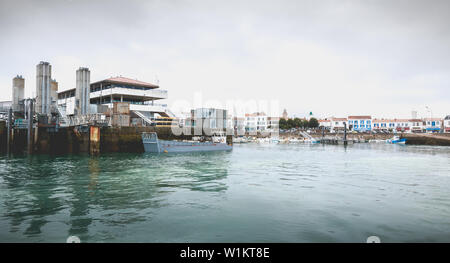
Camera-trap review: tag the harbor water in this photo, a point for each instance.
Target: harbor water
(254, 193)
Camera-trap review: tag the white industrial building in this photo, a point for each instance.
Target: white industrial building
(18, 92)
(140, 96)
(43, 83)
(82, 92)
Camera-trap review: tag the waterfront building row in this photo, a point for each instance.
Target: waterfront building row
(368, 124)
(220, 119)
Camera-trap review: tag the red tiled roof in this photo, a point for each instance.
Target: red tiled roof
(339, 119)
(432, 119)
(255, 114)
(360, 117)
(390, 120)
(129, 81)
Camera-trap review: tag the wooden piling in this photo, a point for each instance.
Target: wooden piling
(8, 132)
(94, 140)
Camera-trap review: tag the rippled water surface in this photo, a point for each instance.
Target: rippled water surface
(255, 193)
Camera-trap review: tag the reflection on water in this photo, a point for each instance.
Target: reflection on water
(255, 193)
(110, 190)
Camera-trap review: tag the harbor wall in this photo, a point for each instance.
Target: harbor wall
(427, 139)
(3, 136)
(68, 140)
(128, 139)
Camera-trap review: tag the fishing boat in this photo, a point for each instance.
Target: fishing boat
(396, 140)
(263, 140)
(240, 140)
(274, 140)
(294, 140)
(154, 145)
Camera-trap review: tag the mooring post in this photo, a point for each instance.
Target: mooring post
(8, 132)
(94, 140)
(30, 126)
(345, 133)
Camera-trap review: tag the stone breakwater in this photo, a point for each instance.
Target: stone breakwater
(427, 139)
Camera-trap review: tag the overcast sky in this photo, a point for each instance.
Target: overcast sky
(384, 58)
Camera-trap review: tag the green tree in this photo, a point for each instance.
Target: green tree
(290, 123)
(313, 123)
(283, 124)
(297, 123)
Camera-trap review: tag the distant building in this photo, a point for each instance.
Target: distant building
(239, 125)
(379, 125)
(273, 123)
(209, 118)
(432, 124)
(337, 124)
(416, 125)
(285, 115)
(255, 122)
(184, 119)
(398, 125)
(387, 125)
(447, 123)
(360, 123)
(325, 124)
(402, 125)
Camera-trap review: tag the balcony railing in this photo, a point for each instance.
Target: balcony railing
(153, 93)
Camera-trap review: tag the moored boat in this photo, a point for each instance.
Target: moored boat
(396, 140)
(154, 145)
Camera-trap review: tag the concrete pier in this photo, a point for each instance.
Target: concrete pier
(83, 139)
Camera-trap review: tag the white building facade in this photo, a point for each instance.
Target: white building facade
(255, 122)
(432, 124)
(337, 124)
(140, 95)
(447, 124)
(360, 123)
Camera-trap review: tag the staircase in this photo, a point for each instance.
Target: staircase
(63, 120)
(170, 113)
(307, 136)
(142, 116)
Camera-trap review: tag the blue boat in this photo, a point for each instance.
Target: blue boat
(396, 140)
(154, 145)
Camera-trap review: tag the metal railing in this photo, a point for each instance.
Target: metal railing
(142, 116)
(89, 119)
